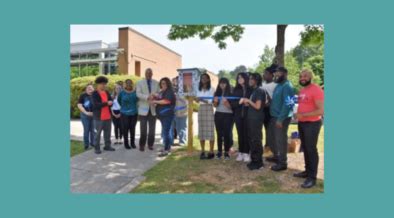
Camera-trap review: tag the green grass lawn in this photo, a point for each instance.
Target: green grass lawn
(76, 147)
(184, 173)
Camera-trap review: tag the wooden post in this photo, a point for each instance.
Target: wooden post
(190, 124)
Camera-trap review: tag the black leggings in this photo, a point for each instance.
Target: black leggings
(128, 123)
(117, 125)
(242, 131)
(223, 124)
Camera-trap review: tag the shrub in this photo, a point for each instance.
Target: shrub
(77, 87)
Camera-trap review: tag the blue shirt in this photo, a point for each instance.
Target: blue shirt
(278, 107)
(86, 101)
(128, 102)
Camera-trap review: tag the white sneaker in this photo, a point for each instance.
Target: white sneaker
(239, 157)
(246, 158)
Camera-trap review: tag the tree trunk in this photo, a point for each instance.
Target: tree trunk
(280, 45)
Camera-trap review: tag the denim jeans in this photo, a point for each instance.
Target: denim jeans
(88, 132)
(166, 123)
(181, 128)
(171, 132)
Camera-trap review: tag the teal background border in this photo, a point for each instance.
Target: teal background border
(35, 108)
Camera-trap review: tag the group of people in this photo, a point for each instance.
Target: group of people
(255, 102)
(127, 104)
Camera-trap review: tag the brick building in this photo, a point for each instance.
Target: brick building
(131, 55)
(141, 52)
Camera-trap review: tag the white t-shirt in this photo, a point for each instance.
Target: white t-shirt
(206, 93)
(269, 89)
(115, 104)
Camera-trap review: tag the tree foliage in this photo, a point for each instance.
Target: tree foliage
(266, 59)
(219, 33)
(313, 35)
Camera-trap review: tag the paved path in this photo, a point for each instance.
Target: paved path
(122, 170)
(111, 172)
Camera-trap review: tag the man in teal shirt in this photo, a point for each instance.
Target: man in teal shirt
(281, 114)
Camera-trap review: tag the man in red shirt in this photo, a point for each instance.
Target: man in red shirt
(310, 110)
(102, 101)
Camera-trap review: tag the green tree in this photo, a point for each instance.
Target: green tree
(89, 70)
(220, 33)
(316, 64)
(303, 52)
(280, 45)
(313, 35)
(266, 59)
(238, 69)
(293, 70)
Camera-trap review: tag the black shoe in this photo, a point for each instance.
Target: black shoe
(219, 155)
(272, 159)
(150, 148)
(127, 147)
(309, 183)
(109, 149)
(97, 151)
(133, 146)
(255, 166)
(202, 156)
(278, 167)
(226, 156)
(86, 147)
(142, 149)
(303, 174)
(210, 155)
(164, 153)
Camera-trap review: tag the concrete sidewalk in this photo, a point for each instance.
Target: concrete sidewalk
(111, 172)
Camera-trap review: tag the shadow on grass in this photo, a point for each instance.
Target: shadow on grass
(184, 173)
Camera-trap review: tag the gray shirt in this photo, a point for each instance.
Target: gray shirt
(223, 109)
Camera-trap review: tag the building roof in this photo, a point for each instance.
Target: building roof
(150, 39)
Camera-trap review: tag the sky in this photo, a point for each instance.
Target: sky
(199, 53)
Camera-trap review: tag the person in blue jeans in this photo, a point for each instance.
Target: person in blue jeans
(165, 104)
(86, 114)
(180, 121)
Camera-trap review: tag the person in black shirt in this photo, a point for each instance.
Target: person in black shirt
(255, 118)
(241, 90)
(86, 114)
(165, 110)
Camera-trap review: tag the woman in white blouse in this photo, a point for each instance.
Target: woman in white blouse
(206, 120)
